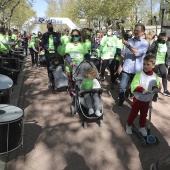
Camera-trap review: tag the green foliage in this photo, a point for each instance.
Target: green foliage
(52, 9)
(7, 8)
(22, 13)
(107, 11)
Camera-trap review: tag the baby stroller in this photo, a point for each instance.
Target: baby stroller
(78, 101)
(59, 79)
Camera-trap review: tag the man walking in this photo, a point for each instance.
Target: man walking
(134, 53)
(50, 42)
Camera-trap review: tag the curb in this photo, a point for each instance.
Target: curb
(14, 100)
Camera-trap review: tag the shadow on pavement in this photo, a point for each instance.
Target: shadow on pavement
(150, 153)
(32, 132)
(75, 161)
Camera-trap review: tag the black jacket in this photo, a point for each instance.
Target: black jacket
(45, 40)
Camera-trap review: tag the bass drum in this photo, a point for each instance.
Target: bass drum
(11, 128)
(5, 89)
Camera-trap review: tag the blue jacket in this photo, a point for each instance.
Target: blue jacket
(45, 40)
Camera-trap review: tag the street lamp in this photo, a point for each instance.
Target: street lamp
(156, 21)
(151, 11)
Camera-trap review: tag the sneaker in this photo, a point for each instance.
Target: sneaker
(128, 130)
(120, 104)
(49, 84)
(166, 93)
(155, 97)
(91, 111)
(116, 82)
(98, 113)
(143, 131)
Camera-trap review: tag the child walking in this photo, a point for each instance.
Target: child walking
(144, 81)
(33, 47)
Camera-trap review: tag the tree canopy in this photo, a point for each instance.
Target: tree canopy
(15, 12)
(104, 10)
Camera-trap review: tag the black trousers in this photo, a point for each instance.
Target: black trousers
(113, 66)
(34, 56)
(163, 71)
(49, 57)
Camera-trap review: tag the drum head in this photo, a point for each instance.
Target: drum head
(5, 82)
(9, 113)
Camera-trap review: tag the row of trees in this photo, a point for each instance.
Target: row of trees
(107, 11)
(15, 12)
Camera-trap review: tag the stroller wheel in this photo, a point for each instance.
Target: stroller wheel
(85, 125)
(72, 110)
(143, 142)
(100, 122)
(157, 141)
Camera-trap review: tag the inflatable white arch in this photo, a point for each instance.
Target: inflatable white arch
(65, 22)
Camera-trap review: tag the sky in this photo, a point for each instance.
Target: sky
(40, 7)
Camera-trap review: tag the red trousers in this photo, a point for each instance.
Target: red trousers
(136, 107)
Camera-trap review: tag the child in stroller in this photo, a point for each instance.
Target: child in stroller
(57, 75)
(87, 101)
(91, 82)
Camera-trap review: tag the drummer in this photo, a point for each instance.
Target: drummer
(4, 48)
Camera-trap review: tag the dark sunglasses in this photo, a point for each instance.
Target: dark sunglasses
(75, 35)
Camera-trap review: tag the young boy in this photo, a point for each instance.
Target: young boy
(144, 81)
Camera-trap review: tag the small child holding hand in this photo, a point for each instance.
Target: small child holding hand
(143, 82)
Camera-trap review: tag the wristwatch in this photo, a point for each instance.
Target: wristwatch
(128, 46)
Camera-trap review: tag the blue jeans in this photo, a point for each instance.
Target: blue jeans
(125, 79)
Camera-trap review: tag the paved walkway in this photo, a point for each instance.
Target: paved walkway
(58, 142)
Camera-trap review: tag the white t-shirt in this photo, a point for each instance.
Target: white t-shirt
(96, 84)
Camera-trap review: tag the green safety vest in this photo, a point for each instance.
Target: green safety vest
(51, 44)
(33, 44)
(65, 39)
(145, 81)
(14, 37)
(3, 47)
(161, 53)
(109, 44)
(76, 53)
(88, 44)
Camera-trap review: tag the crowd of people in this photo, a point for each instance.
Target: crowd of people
(133, 58)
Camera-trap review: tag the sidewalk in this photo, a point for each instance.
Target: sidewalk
(58, 142)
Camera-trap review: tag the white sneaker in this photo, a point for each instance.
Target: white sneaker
(91, 111)
(129, 130)
(143, 131)
(98, 113)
